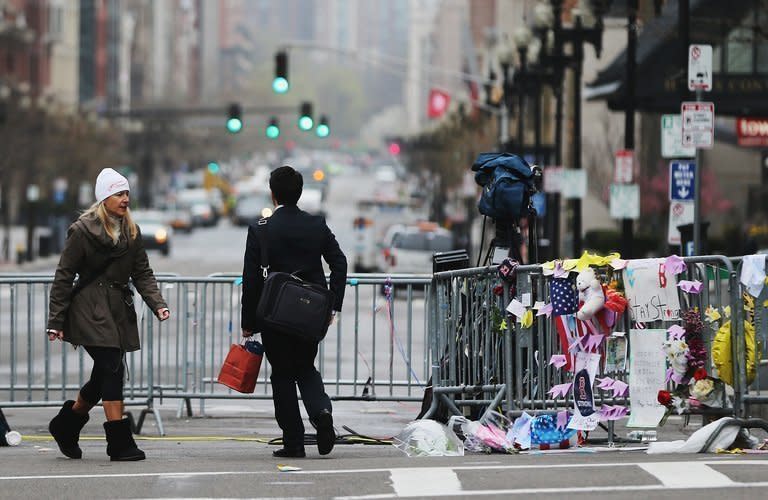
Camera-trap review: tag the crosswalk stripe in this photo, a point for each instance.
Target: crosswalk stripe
(686, 474)
(427, 481)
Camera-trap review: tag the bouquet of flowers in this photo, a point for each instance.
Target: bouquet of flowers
(691, 386)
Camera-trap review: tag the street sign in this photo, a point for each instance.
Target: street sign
(573, 183)
(698, 124)
(623, 166)
(700, 67)
(553, 179)
(672, 138)
(625, 201)
(680, 212)
(682, 177)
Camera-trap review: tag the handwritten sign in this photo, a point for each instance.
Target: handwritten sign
(651, 291)
(647, 370)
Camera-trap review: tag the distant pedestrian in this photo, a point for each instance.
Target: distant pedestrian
(296, 243)
(104, 249)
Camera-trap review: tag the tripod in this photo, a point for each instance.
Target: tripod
(509, 236)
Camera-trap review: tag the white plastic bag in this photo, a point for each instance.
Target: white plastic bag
(427, 438)
(698, 439)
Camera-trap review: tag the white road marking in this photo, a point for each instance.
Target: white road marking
(425, 481)
(687, 475)
(560, 491)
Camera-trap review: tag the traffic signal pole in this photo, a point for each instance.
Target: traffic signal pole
(629, 114)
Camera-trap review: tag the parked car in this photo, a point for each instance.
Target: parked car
(251, 207)
(155, 231)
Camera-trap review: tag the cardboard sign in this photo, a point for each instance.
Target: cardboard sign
(647, 372)
(651, 291)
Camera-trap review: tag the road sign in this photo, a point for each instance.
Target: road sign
(625, 201)
(680, 212)
(698, 124)
(672, 138)
(553, 179)
(623, 166)
(700, 67)
(682, 177)
(573, 183)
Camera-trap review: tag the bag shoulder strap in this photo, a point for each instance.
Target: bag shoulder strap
(83, 282)
(263, 247)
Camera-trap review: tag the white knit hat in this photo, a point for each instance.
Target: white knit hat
(108, 183)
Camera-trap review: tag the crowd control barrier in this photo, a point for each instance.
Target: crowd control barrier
(485, 359)
(377, 350)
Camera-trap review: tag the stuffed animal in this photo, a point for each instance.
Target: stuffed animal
(590, 294)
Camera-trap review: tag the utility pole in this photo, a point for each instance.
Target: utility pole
(629, 113)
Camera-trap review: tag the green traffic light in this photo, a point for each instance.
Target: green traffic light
(280, 85)
(273, 132)
(306, 123)
(322, 130)
(213, 167)
(234, 125)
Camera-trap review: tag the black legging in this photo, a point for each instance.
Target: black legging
(106, 381)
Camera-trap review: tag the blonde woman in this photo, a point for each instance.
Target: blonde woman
(104, 250)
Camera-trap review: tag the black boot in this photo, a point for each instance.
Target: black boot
(120, 444)
(65, 429)
(326, 437)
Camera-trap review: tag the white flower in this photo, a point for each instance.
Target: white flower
(679, 404)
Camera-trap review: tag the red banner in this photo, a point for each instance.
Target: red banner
(438, 103)
(752, 131)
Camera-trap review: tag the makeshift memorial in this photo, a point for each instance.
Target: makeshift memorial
(484, 436)
(427, 438)
(546, 434)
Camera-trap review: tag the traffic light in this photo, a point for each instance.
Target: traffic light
(305, 116)
(214, 168)
(323, 130)
(234, 118)
(273, 129)
(280, 83)
(394, 148)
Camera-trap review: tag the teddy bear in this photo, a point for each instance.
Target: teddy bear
(590, 294)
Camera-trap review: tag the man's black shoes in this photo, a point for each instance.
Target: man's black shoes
(326, 437)
(289, 453)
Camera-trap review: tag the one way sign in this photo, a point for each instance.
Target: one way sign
(682, 176)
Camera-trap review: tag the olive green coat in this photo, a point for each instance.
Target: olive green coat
(100, 314)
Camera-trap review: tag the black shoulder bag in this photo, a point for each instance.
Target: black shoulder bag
(290, 305)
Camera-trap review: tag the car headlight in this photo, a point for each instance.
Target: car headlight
(266, 212)
(161, 235)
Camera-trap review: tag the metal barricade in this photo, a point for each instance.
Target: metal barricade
(378, 348)
(484, 359)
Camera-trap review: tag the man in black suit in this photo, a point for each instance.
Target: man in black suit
(296, 242)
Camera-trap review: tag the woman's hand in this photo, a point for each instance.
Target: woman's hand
(54, 335)
(163, 313)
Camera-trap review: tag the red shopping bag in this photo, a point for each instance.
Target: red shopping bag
(240, 369)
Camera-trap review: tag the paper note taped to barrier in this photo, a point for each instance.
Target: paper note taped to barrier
(647, 371)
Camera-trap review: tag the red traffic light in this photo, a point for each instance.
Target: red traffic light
(394, 148)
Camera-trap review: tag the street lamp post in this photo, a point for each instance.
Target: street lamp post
(588, 27)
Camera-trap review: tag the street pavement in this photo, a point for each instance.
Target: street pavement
(225, 454)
